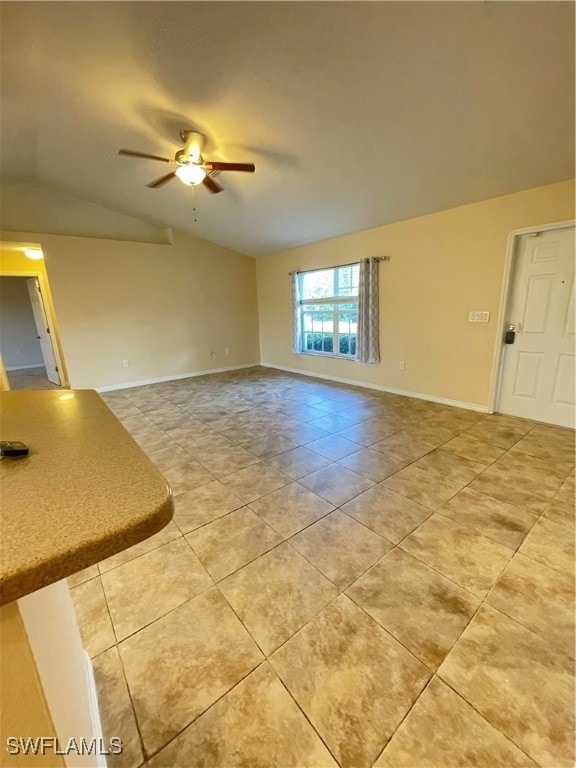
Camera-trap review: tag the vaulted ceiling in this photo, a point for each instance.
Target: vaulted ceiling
(355, 113)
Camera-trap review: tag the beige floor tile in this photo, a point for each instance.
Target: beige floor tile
(433, 435)
(181, 664)
(173, 456)
(336, 484)
(558, 435)
(301, 412)
(255, 724)
(333, 447)
(152, 439)
(543, 477)
(291, 508)
(423, 487)
(354, 682)
(227, 460)
(495, 519)
(368, 432)
(332, 423)
(540, 599)
(279, 592)
(472, 449)
(450, 466)
(374, 465)
(557, 453)
(84, 575)
(503, 431)
(552, 544)
(186, 477)
(276, 595)
(115, 708)
(298, 462)
(93, 617)
(302, 434)
(389, 514)
(245, 433)
(202, 444)
(401, 447)
(331, 406)
(273, 420)
(232, 541)
(466, 557)
(444, 731)
(423, 610)
(515, 680)
(144, 589)
(166, 535)
(256, 481)
(190, 432)
(340, 548)
(202, 505)
(270, 445)
(562, 508)
(508, 490)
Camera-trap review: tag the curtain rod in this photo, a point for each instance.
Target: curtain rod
(337, 266)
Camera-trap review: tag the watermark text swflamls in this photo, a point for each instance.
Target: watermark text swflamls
(43, 745)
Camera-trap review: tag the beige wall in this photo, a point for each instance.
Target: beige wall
(442, 267)
(162, 307)
(19, 345)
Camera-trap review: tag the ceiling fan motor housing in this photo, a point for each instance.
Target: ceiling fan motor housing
(194, 142)
(183, 158)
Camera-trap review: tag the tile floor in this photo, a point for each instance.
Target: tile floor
(351, 578)
(30, 378)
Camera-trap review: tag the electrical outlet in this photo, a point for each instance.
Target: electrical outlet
(212, 355)
(402, 365)
(227, 351)
(125, 363)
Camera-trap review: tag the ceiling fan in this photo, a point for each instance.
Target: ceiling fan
(192, 168)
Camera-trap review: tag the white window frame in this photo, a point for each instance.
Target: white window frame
(335, 300)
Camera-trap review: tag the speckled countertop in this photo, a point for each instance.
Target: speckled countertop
(85, 492)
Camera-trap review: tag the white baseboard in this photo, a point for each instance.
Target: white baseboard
(24, 367)
(382, 388)
(174, 377)
(97, 732)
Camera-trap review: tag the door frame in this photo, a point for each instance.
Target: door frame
(55, 339)
(505, 298)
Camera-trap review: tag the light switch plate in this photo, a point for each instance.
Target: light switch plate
(479, 317)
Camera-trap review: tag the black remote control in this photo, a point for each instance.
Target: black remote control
(13, 448)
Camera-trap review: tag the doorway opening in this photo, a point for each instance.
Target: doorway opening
(27, 345)
(536, 358)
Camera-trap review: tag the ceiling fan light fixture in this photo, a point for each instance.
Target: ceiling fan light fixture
(191, 174)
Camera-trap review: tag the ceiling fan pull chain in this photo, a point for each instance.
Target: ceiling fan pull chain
(194, 204)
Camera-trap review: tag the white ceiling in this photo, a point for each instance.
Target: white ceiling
(355, 113)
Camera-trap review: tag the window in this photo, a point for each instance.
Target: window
(327, 311)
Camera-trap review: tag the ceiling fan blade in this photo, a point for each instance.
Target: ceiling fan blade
(216, 166)
(212, 185)
(131, 153)
(162, 180)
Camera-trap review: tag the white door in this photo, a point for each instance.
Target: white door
(538, 368)
(43, 330)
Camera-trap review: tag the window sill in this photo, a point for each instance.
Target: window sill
(327, 354)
